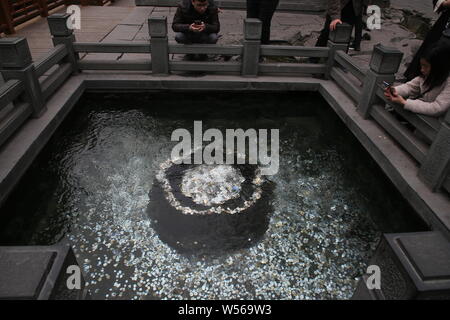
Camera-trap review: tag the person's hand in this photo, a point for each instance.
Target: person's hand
(398, 99)
(446, 4)
(390, 91)
(197, 27)
(393, 96)
(194, 27)
(334, 23)
(201, 27)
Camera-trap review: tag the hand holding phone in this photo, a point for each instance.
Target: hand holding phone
(388, 88)
(197, 26)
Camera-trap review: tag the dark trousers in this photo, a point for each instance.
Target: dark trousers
(262, 10)
(191, 37)
(347, 16)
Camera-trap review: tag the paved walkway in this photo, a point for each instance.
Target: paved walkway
(96, 23)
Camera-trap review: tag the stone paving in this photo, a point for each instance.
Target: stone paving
(423, 6)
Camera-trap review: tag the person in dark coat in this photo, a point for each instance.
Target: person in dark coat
(339, 11)
(435, 34)
(262, 10)
(196, 21)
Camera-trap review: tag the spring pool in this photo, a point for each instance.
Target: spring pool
(92, 183)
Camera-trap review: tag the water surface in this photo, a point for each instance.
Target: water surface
(91, 184)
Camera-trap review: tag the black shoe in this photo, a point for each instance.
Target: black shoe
(355, 46)
(202, 57)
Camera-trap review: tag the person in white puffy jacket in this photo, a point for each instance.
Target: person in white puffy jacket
(428, 94)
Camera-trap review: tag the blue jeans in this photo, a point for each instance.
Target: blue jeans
(191, 37)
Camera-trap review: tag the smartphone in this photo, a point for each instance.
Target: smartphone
(387, 85)
(197, 22)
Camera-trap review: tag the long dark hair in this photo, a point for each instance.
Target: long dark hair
(441, 8)
(438, 56)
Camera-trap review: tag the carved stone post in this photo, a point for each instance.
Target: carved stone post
(157, 27)
(436, 167)
(62, 34)
(252, 45)
(16, 63)
(383, 66)
(339, 39)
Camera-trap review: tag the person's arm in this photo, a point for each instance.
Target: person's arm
(334, 9)
(409, 89)
(213, 26)
(178, 24)
(435, 108)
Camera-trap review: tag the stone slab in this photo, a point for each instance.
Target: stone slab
(23, 272)
(412, 265)
(38, 273)
(425, 256)
(138, 16)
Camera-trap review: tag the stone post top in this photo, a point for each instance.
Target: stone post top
(252, 29)
(385, 60)
(158, 18)
(157, 26)
(386, 50)
(59, 15)
(11, 41)
(341, 34)
(57, 24)
(14, 53)
(252, 20)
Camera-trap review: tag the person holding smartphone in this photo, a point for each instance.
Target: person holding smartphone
(429, 93)
(196, 21)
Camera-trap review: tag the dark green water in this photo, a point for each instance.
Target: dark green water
(91, 184)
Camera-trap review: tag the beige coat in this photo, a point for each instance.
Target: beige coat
(335, 7)
(433, 103)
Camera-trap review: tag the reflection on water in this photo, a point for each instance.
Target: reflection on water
(92, 183)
